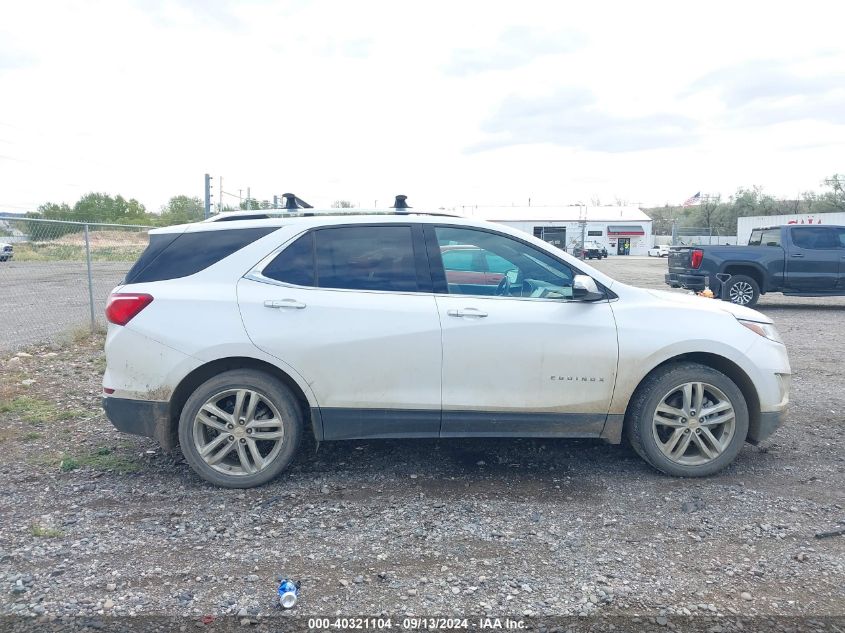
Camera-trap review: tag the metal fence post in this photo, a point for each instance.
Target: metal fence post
(90, 280)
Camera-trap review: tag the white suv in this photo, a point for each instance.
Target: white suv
(234, 338)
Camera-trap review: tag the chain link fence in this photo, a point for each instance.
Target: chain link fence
(55, 276)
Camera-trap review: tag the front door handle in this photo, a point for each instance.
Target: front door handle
(284, 303)
(798, 254)
(466, 312)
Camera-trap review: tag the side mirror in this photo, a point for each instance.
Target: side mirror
(584, 288)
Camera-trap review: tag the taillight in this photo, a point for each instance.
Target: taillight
(123, 306)
(696, 258)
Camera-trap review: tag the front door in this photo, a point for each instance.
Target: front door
(520, 357)
(623, 246)
(344, 308)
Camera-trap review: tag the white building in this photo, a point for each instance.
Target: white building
(745, 225)
(621, 230)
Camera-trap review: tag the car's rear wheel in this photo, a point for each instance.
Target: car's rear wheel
(741, 290)
(240, 429)
(687, 420)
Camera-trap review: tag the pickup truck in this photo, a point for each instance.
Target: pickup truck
(797, 260)
(6, 252)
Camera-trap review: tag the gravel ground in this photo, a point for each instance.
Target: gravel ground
(47, 300)
(95, 522)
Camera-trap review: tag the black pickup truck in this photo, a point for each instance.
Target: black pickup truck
(797, 260)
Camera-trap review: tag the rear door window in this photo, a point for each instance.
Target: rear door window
(295, 264)
(366, 258)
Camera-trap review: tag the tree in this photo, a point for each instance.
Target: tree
(834, 200)
(101, 207)
(181, 210)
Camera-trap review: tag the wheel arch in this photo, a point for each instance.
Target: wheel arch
(749, 269)
(724, 365)
(195, 378)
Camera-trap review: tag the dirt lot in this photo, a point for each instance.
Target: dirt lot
(94, 522)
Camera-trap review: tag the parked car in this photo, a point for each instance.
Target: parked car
(797, 260)
(591, 250)
(661, 250)
(6, 252)
(236, 339)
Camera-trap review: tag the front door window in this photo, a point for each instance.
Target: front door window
(489, 264)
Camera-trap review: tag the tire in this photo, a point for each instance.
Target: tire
(275, 414)
(741, 290)
(653, 441)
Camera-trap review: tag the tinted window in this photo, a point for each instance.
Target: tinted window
(755, 238)
(295, 264)
(841, 234)
(496, 264)
(814, 238)
(189, 253)
(507, 267)
(460, 259)
(366, 258)
(770, 237)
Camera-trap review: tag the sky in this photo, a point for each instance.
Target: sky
(451, 103)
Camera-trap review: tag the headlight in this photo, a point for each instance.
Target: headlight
(763, 329)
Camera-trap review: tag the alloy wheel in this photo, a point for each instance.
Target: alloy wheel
(238, 432)
(694, 423)
(741, 293)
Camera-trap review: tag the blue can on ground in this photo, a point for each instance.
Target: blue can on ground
(288, 593)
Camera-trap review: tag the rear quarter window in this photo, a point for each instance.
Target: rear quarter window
(175, 255)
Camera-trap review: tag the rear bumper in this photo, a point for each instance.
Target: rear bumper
(682, 280)
(763, 428)
(141, 417)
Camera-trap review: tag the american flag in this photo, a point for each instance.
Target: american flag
(693, 200)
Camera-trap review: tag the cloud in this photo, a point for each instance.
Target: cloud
(514, 48)
(571, 118)
(767, 92)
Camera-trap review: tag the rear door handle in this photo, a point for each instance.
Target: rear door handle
(284, 303)
(798, 254)
(466, 312)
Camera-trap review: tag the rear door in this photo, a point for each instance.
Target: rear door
(350, 309)
(840, 234)
(813, 259)
(520, 357)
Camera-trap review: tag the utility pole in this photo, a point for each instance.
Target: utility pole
(247, 199)
(207, 196)
(275, 201)
(583, 222)
(220, 196)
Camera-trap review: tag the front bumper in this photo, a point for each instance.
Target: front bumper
(142, 417)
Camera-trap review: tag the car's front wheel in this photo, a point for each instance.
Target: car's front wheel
(687, 420)
(240, 429)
